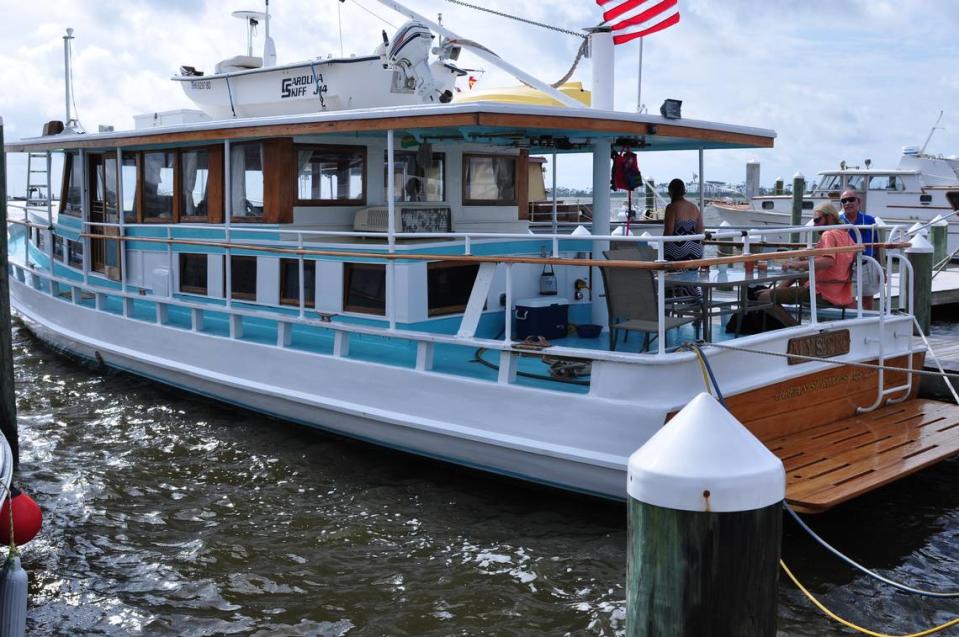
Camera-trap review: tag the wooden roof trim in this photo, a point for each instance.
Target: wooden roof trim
(439, 120)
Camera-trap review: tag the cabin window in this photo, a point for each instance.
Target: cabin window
(417, 179)
(71, 199)
(831, 182)
(246, 172)
(41, 239)
(886, 182)
(194, 183)
(58, 247)
(331, 175)
(130, 185)
(807, 205)
(855, 182)
(290, 282)
(243, 278)
(193, 273)
(768, 205)
(106, 188)
(75, 254)
(489, 180)
(448, 287)
(364, 288)
(158, 187)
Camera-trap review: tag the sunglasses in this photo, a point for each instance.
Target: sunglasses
(817, 220)
(848, 200)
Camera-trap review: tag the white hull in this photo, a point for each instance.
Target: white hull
(572, 441)
(351, 83)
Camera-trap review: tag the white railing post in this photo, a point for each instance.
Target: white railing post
(302, 269)
(391, 231)
(661, 299)
(121, 230)
(508, 327)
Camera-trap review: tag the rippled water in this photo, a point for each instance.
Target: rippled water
(171, 515)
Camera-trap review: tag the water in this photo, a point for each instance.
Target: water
(171, 515)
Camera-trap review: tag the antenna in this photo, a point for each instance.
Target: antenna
(71, 123)
(934, 127)
(269, 48)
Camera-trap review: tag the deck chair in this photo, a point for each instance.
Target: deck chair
(631, 300)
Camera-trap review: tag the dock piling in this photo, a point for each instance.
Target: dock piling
(799, 188)
(920, 255)
(939, 236)
(705, 527)
(8, 398)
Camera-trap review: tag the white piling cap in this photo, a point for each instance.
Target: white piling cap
(938, 221)
(919, 244)
(918, 229)
(798, 175)
(705, 460)
(645, 234)
(880, 222)
(810, 223)
(620, 230)
(724, 224)
(580, 231)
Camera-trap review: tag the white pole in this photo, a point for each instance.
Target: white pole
(555, 224)
(66, 73)
(121, 244)
(602, 54)
(702, 193)
(486, 54)
(639, 81)
(391, 230)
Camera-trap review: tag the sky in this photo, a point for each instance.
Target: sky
(836, 79)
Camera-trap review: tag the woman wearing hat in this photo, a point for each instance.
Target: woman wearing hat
(833, 271)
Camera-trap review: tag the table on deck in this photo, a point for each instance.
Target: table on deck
(721, 277)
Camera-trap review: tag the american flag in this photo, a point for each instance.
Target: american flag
(631, 19)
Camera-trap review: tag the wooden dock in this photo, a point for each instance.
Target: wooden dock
(945, 286)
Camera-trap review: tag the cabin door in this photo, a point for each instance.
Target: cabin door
(104, 209)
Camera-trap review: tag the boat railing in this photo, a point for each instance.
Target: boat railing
(303, 250)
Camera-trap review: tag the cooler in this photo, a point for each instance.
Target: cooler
(545, 316)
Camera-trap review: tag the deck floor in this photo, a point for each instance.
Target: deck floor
(833, 463)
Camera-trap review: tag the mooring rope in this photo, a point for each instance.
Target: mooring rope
(906, 370)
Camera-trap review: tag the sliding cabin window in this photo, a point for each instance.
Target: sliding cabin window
(448, 287)
(364, 288)
(246, 170)
(489, 180)
(71, 196)
(417, 178)
(193, 273)
(201, 185)
(75, 254)
(159, 186)
(243, 278)
(290, 282)
(331, 175)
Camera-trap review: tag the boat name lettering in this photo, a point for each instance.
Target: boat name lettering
(824, 345)
(297, 86)
(820, 384)
(200, 85)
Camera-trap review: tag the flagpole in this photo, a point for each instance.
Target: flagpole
(639, 83)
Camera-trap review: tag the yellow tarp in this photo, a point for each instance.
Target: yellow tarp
(524, 95)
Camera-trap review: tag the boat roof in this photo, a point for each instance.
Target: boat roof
(540, 128)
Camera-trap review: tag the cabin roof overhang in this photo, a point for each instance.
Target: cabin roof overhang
(538, 128)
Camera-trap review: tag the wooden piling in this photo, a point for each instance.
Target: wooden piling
(705, 527)
(8, 398)
(779, 187)
(920, 254)
(650, 195)
(799, 188)
(939, 237)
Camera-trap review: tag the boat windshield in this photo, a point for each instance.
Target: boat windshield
(830, 182)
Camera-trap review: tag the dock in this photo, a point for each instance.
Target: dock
(945, 286)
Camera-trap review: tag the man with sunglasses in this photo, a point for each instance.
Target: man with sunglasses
(852, 214)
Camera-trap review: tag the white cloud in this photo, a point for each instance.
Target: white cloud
(836, 80)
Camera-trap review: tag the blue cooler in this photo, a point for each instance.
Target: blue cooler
(545, 316)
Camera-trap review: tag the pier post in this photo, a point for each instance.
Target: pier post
(799, 187)
(939, 234)
(920, 253)
(752, 179)
(8, 398)
(650, 193)
(779, 187)
(705, 527)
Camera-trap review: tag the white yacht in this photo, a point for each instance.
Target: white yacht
(371, 272)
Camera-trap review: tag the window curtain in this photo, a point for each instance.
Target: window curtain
(190, 163)
(238, 207)
(505, 179)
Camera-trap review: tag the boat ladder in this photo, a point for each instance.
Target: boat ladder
(38, 179)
